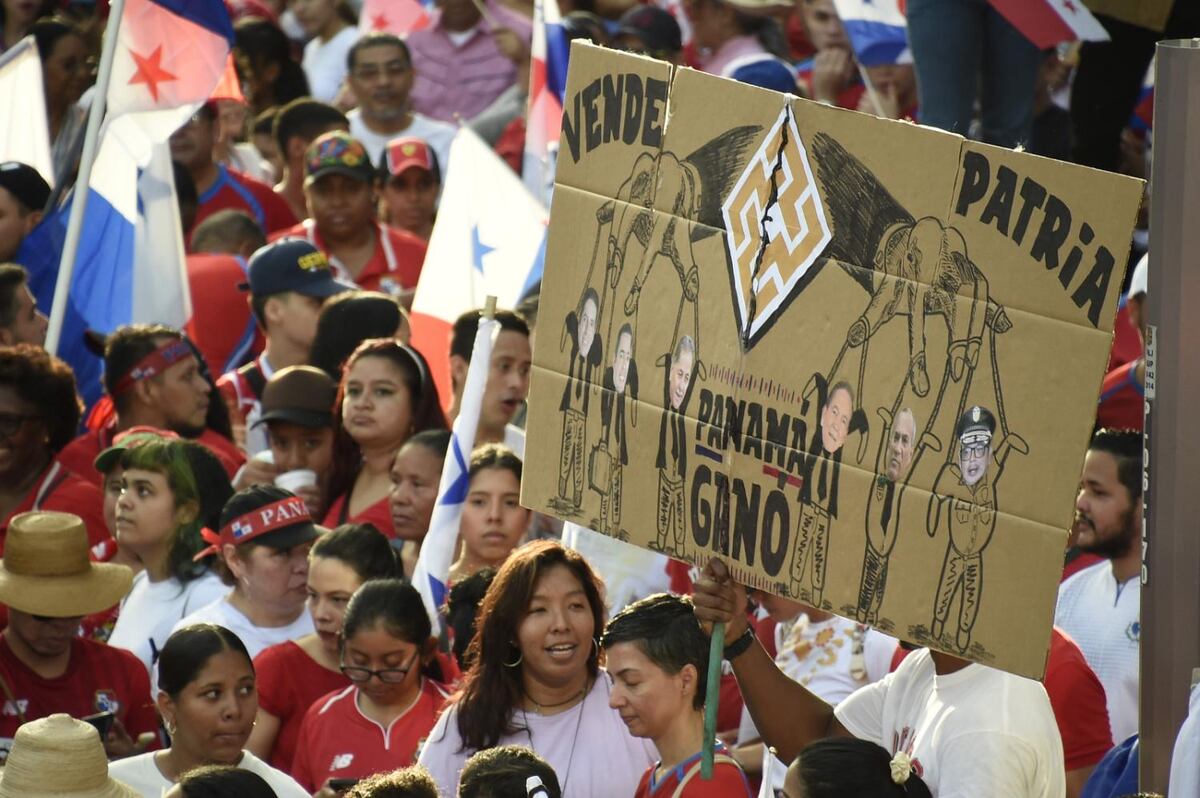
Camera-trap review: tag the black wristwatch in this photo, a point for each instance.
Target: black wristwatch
(738, 647)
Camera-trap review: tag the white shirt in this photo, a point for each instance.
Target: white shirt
(436, 134)
(975, 733)
(255, 638)
(1185, 759)
(140, 773)
(1102, 616)
(325, 63)
(832, 658)
(588, 746)
(151, 610)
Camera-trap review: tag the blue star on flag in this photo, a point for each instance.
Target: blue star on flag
(478, 249)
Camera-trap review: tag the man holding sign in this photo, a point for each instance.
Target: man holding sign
(939, 710)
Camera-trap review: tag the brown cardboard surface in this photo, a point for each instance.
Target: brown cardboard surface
(702, 394)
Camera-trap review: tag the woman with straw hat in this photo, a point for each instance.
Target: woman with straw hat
(49, 585)
(59, 757)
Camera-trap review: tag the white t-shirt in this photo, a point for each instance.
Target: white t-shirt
(832, 658)
(975, 733)
(588, 746)
(151, 610)
(325, 63)
(437, 135)
(255, 638)
(1102, 616)
(630, 572)
(1185, 758)
(140, 773)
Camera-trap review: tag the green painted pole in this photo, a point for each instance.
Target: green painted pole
(712, 697)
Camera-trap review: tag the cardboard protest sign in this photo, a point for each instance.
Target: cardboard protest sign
(857, 359)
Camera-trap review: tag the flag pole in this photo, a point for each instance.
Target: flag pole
(716, 650)
(66, 267)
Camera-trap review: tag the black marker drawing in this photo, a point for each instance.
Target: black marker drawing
(965, 502)
(819, 494)
(586, 353)
(611, 454)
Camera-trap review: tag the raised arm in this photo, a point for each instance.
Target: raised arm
(787, 715)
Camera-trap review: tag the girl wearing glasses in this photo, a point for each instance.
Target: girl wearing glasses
(295, 673)
(375, 724)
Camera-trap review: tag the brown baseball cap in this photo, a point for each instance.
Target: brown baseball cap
(301, 395)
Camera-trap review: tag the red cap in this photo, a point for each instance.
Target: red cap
(406, 152)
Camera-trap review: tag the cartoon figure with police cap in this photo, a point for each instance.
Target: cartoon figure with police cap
(964, 499)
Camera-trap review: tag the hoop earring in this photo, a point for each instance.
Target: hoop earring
(520, 658)
(596, 646)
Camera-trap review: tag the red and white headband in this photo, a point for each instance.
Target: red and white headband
(256, 523)
(154, 364)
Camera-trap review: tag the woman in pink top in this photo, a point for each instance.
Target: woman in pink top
(386, 396)
(292, 675)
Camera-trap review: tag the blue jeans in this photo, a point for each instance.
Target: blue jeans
(964, 47)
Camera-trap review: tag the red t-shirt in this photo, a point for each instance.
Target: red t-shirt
(240, 192)
(98, 678)
(80, 454)
(1080, 708)
(394, 268)
(728, 780)
(222, 326)
(1122, 399)
(338, 741)
(289, 681)
(61, 490)
(379, 514)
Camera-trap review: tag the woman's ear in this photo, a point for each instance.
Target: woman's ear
(187, 513)
(166, 708)
(233, 560)
(689, 679)
(429, 650)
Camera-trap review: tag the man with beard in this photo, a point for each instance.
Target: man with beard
(381, 75)
(1099, 606)
(154, 380)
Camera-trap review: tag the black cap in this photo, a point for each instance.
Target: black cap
(25, 183)
(292, 264)
(248, 500)
(302, 395)
(976, 426)
(653, 27)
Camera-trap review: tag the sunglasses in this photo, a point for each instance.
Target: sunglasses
(360, 675)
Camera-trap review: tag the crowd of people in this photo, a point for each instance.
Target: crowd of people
(205, 575)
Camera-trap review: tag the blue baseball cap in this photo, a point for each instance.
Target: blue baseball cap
(292, 264)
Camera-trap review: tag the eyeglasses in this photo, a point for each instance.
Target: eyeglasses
(360, 675)
(11, 422)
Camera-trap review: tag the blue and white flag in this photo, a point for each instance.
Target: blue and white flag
(877, 30)
(432, 572)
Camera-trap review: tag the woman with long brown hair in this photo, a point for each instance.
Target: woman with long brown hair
(536, 681)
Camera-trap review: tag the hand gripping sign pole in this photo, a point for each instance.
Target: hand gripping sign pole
(91, 138)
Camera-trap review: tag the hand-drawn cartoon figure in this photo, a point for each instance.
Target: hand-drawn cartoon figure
(964, 495)
(610, 456)
(586, 353)
(818, 495)
(892, 468)
(672, 446)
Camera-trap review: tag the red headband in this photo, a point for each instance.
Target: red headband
(154, 364)
(257, 522)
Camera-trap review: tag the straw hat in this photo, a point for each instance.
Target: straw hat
(59, 757)
(46, 570)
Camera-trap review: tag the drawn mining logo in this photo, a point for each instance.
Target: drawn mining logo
(776, 230)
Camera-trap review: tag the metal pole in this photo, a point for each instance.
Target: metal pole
(66, 267)
(1170, 621)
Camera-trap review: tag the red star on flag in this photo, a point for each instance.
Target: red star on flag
(150, 71)
(379, 22)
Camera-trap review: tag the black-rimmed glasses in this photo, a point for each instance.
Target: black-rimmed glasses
(360, 675)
